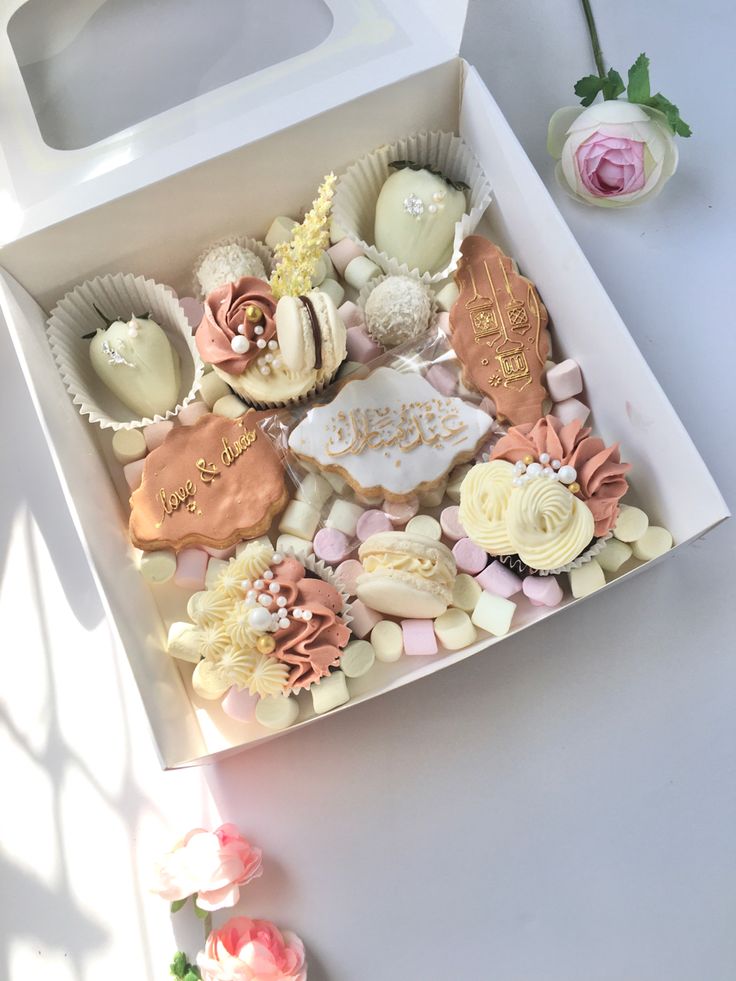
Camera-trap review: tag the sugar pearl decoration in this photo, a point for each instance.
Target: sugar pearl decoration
(297, 612)
(265, 644)
(273, 345)
(268, 574)
(260, 619)
(258, 330)
(260, 343)
(240, 344)
(281, 601)
(544, 457)
(566, 474)
(275, 587)
(253, 313)
(277, 557)
(259, 584)
(307, 615)
(534, 469)
(265, 599)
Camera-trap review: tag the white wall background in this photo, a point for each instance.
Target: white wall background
(559, 810)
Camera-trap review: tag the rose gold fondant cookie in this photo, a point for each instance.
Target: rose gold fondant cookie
(213, 483)
(498, 329)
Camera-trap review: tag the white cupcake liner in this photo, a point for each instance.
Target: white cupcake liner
(514, 563)
(368, 288)
(358, 189)
(118, 295)
(288, 403)
(259, 248)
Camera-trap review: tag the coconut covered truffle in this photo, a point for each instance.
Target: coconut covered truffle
(227, 263)
(397, 310)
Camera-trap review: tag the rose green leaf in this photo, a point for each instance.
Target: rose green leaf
(638, 87)
(587, 88)
(201, 913)
(670, 110)
(177, 904)
(612, 85)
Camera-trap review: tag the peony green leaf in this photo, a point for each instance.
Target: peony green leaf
(201, 914)
(612, 85)
(179, 964)
(638, 87)
(587, 88)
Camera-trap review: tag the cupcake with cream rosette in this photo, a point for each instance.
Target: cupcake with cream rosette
(270, 623)
(277, 342)
(547, 499)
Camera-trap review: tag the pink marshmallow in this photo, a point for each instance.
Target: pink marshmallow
(156, 433)
(191, 567)
(192, 413)
(220, 553)
(470, 558)
(499, 580)
(364, 618)
(360, 346)
(346, 576)
(450, 522)
(443, 322)
(443, 380)
(193, 310)
(240, 705)
(542, 590)
(399, 512)
(419, 637)
(331, 545)
(564, 380)
(372, 523)
(133, 473)
(569, 410)
(351, 314)
(343, 252)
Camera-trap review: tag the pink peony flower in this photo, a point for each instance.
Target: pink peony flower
(252, 950)
(212, 864)
(611, 165)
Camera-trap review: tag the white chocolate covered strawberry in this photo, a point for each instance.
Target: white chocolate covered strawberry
(416, 212)
(136, 361)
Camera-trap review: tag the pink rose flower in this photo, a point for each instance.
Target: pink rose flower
(611, 165)
(613, 154)
(252, 950)
(212, 864)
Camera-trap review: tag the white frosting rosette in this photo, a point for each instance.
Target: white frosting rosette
(540, 519)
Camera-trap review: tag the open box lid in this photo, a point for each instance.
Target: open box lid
(101, 97)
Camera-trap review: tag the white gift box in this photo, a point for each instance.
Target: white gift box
(188, 167)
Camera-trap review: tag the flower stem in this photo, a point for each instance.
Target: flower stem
(207, 922)
(594, 42)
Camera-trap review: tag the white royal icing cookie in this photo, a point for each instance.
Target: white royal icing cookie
(391, 434)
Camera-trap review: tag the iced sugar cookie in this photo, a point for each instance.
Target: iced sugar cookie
(390, 434)
(499, 331)
(213, 483)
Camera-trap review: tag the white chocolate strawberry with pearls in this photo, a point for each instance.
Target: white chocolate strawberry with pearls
(416, 213)
(136, 361)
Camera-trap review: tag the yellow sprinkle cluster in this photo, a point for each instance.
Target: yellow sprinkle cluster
(297, 258)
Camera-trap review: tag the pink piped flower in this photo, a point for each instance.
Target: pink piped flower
(252, 950)
(211, 864)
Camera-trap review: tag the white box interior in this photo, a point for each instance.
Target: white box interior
(159, 229)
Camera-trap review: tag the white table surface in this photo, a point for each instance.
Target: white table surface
(562, 809)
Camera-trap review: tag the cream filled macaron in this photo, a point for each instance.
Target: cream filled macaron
(406, 575)
(310, 332)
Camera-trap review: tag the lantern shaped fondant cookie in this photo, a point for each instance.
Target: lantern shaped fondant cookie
(499, 331)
